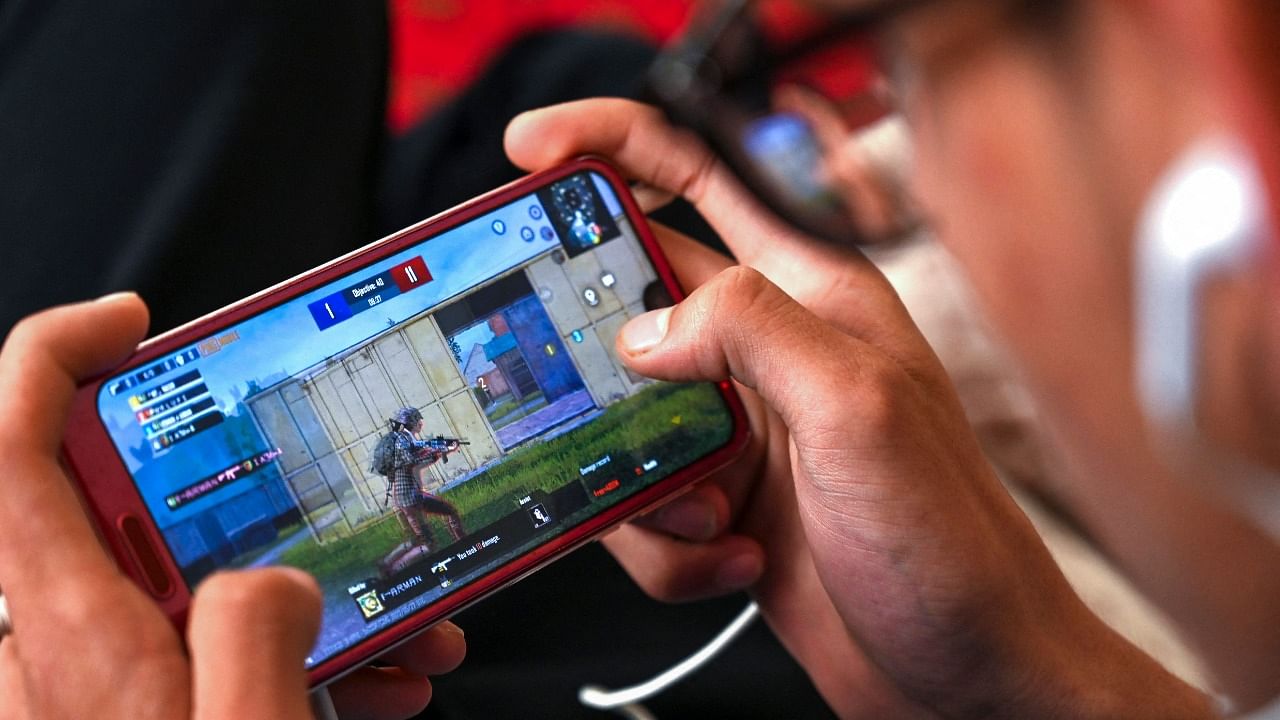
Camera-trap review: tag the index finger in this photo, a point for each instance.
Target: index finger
(836, 282)
(43, 358)
(647, 148)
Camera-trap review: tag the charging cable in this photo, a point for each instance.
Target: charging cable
(627, 701)
(322, 705)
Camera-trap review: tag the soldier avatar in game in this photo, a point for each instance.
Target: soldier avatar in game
(399, 456)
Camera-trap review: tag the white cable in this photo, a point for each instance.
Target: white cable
(594, 696)
(322, 705)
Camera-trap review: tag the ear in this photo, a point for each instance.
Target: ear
(1254, 85)
(1235, 43)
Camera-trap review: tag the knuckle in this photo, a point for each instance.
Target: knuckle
(24, 332)
(79, 610)
(31, 333)
(749, 318)
(703, 167)
(883, 390)
(127, 624)
(740, 298)
(22, 338)
(742, 288)
(75, 610)
(686, 165)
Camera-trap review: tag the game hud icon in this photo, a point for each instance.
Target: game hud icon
(578, 214)
(369, 604)
(539, 515)
(441, 571)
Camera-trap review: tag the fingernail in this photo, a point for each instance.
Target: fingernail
(645, 331)
(450, 628)
(688, 519)
(116, 296)
(739, 573)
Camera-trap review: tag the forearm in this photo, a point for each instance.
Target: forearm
(1074, 669)
(1055, 659)
(1033, 651)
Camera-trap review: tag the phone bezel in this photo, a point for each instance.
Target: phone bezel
(111, 495)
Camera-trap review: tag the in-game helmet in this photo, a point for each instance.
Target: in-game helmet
(407, 416)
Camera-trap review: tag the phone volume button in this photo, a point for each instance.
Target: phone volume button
(145, 556)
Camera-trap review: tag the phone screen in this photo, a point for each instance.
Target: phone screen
(406, 429)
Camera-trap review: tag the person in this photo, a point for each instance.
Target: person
(407, 455)
(903, 578)
(880, 546)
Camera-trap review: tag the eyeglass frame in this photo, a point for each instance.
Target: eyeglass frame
(686, 82)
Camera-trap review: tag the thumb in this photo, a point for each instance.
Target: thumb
(740, 325)
(249, 634)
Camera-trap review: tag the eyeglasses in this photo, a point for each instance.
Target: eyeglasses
(772, 110)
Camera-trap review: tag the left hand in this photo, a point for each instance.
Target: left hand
(87, 642)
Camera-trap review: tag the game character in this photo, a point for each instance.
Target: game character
(398, 457)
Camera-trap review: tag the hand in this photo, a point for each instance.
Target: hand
(682, 551)
(830, 280)
(916, 547)
(87, 643)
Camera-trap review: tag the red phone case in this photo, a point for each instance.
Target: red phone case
(131, 535)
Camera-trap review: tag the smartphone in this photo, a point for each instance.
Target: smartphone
(416, 424)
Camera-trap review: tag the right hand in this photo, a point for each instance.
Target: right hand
(865, 489)
(738, 529)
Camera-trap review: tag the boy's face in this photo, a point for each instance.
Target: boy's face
(1035, 149)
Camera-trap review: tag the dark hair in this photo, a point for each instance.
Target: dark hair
(1051, 26)
(1048, 18)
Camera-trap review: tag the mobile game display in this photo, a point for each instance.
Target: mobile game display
(407, 428)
